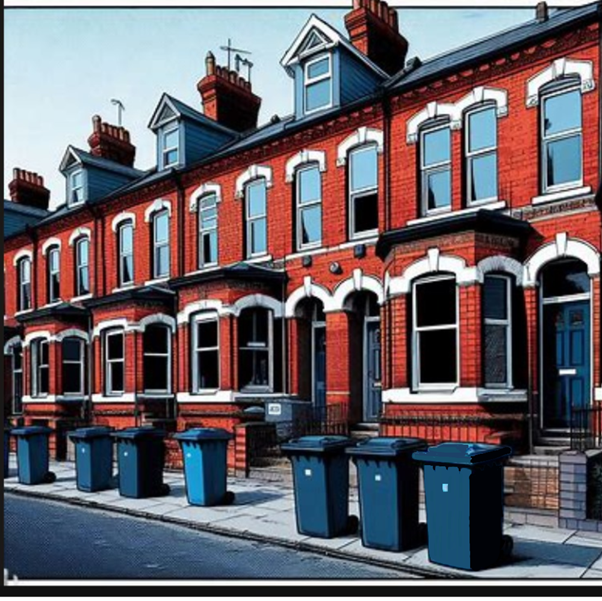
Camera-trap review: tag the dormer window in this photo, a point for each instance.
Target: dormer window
(76, 187)
(318, 83)
(171, 147)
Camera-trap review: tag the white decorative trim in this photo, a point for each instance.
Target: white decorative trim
(494, 206)
(72, 333)
(217, 306)
(563, 246)
(126, 397)
(433, 110)
(121, 217)
(156, 206)
(457, 395)
(302, 157)
(157, 281)
(253, 172)
(258, 300)
(308, 290)
(44, 334)
(157, 318)
(562, 195)
(24, 253)
(83, 297)
(50, 242)
(202, 191)
(598, 394)
(11, 343)
(500, 263)
(364, 135)
(80, 232)
(357, 282)
(218, 396)
(121, 322)
(49, 398)
(561, 67)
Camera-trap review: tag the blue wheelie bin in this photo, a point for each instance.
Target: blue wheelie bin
(464, 490)
(205, 466)
(321, 479)
(388, 491)
(33, 458)
(93, 458)
(141, 459)
(6, 450)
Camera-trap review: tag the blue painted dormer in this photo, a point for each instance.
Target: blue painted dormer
(328, 71)
(185, 135)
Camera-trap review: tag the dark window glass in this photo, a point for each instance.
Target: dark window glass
(366, 213)
(496, 354)
(563, 278)
(156, 339)
(564, 160)
(496, 298)
(156, 358)
(438, 361)
(254, 357)
(115, 342)
(207, 334)
(436, 303)
(117, 381)
(73, 366)
(208, 370)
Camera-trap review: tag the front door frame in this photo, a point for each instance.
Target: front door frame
(317, 325)
(366, 381)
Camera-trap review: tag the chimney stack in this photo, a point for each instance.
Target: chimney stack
(541, 12)
(228, 98)
(373, 29)
(27, 188)
(111, 142)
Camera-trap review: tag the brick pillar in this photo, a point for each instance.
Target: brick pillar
(597, 331)
(532, 320)
(572, 489)
(337, 358)
(54, 368)
(397, 329)
(470, 336)
(234, 351)
(134, 364)
(294, 363)
(225, 332)
(240, 465)
(98, 374)
(184, 355)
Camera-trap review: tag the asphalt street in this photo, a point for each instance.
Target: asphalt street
(47, 540)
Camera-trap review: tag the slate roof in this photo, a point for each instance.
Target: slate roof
(17, 217)
(100, 163)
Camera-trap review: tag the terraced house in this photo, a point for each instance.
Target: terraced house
(418, 240)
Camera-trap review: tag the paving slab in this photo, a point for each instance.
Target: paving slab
(356, 548)
(572, 555)
(593, 574)
(528, 532)
(135, 504)
(597, 565)
(584, 541)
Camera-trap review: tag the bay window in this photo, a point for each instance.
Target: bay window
(73, 370)
(157, 359)
(205, 352)
(114, 363)
(255, 338)
(40, 368)
(497, 334)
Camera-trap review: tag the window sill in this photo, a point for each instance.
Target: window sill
(157, 281)
(207, 269)
(23, 312)
(369, 240)
(561, 195)
(77, 398)
(158, 395)
(52, 304)
(259, 259)
(123, 288)
(493, 206)
(83, 297)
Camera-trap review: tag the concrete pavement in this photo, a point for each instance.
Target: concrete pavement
(265, 512)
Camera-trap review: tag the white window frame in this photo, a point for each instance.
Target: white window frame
(196, 350)
(558, 90)
(53, 272)
(307, 81)
(308, 205)
(122, 255)
(507, 324)
(82, 366)
(80, 267)
(356, 194)
(270, 349)
(202, 263)
(158, 245)
(249, 220)
(76, 188)
(417, 385)
(37, 366)
(425, 170)
(108, 363)
(470, 156)
(24, 283)
(21, 372)
(165, 150)
(167, 355)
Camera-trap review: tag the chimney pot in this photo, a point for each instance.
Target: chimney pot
(111, 142)
(27, 188)
(541, 12)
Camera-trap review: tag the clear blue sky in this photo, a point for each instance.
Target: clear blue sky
(63, 66)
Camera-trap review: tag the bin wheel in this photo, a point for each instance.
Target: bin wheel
(423, 534)
(507, 546)
(50, 478)
(165, 490)
(228, 498)
(353, 524)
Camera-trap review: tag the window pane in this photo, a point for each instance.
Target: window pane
(44, 353)
(482, 128)
(53, 260)
(258, 236)
(365, 213)
(311, 225)
(562, 112)
(162, 227)
(364, 169)
(210, 247)
(310, 185)
(76, 179)
(55, 288)
(72, 378)
(115, 346)
(207, 332)
(83, 249)
(162, 258)
(116, 382)
(565, 278)
(483, 182)
(253, 327)
(318, 68)
(171, 157)
(495, 298)
(170, 139)
(155, 373)
(438, 357)
(156, 339)
(254, 368)
(439, 190)
(127, 232)
(44, 380)
(496, 354)
(436, 303)
(564, 160)
(208, 218)
(84, 281)
(71, 349)
(208, 370)
(17, 358)
(318, 94)
(25, 270)
(256, 198)
(127, 269)
(436, 147)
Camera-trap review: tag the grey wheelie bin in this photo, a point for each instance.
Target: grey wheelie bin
(205, 466)
(141, 459)
(321, 477)
(93, 458)
(33, 457)
(388, 491)
(464, 489)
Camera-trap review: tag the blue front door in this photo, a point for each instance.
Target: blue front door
(319, 375)
(566, 361)
(372, 371)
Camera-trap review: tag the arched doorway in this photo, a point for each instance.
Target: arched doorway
(566, 382)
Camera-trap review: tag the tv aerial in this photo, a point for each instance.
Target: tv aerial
(239, 51)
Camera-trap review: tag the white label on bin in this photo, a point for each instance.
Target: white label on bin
(83, 450)
(125, 453)
(188, 455)
(274, 409)
(378, 478)
(445, 487)
(308, 472)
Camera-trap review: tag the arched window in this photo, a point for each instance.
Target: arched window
(157, 359)
(205, 352)
(82, 266)
(24, 284)
(255, 339)
(256, 217)
(160, 222)
(497, 331)
(481, 154)
(207, 208)
(40, 367)
(436, 168)
(309, 206)
(363, 191)
(125, 241)
(53, 271)
(74, 366)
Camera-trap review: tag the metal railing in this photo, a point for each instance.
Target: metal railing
(586, 428)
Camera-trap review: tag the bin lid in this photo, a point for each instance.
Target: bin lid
(385, 446)
(316, 444)
(201, 434)
(90, 433)
(462, 453)
(31, 431)
(137, 433)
